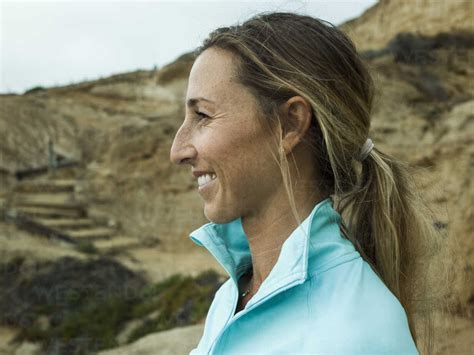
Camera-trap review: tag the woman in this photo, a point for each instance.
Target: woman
(276, 132)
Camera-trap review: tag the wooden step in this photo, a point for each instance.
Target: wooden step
(3, 202)
(116, 244)
(69, 223)
(91, 233)
(59, 206)
(60, 199)
(50, 212)
(39, 186)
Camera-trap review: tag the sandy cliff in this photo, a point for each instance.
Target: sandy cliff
(383, 21)
(122, 128)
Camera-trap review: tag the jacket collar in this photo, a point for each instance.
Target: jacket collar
(311, 247)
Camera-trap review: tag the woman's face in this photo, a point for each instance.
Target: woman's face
(220, 135)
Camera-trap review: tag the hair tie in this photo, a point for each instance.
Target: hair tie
(365, 150)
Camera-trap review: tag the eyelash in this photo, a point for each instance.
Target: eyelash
(201, 114)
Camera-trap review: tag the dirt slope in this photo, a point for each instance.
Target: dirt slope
(122, 129)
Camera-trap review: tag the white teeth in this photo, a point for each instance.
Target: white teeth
(204, 179)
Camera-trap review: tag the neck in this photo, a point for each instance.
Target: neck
(267, 231)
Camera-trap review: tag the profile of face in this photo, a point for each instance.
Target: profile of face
(221, 135)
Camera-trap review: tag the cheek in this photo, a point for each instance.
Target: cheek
(245, 166)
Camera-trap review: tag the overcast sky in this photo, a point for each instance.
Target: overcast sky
(62, 42)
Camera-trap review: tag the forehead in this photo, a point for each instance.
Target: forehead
(213, 75)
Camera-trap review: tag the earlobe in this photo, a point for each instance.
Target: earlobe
(290, 140)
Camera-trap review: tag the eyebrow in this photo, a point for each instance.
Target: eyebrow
(194, 101)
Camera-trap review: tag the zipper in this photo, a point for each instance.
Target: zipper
(231, 320)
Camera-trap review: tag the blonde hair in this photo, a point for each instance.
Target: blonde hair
(285, 54)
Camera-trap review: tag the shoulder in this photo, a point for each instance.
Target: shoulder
(356, 310)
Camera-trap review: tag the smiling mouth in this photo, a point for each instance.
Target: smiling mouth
(206, 180)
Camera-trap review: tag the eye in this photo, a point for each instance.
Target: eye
(201, 114)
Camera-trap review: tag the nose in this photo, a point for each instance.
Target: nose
(182, 151)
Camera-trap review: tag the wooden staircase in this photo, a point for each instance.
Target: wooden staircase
(49, 207)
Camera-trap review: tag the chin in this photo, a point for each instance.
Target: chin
(219, 216)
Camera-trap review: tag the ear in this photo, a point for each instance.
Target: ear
(296, 115)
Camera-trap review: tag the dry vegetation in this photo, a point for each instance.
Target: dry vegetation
(122, 128)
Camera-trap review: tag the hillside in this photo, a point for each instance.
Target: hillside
(422, 17)
(121, 129)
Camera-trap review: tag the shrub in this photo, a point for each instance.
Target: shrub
(86, 304)
(34, 89)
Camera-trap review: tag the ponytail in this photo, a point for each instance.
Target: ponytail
(393, 230)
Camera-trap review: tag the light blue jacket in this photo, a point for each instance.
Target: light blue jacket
(320, 297)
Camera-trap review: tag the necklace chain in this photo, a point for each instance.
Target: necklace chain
(247, 291)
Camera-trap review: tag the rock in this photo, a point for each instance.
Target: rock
(133, 325)
(28, 349)
(176, 341)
